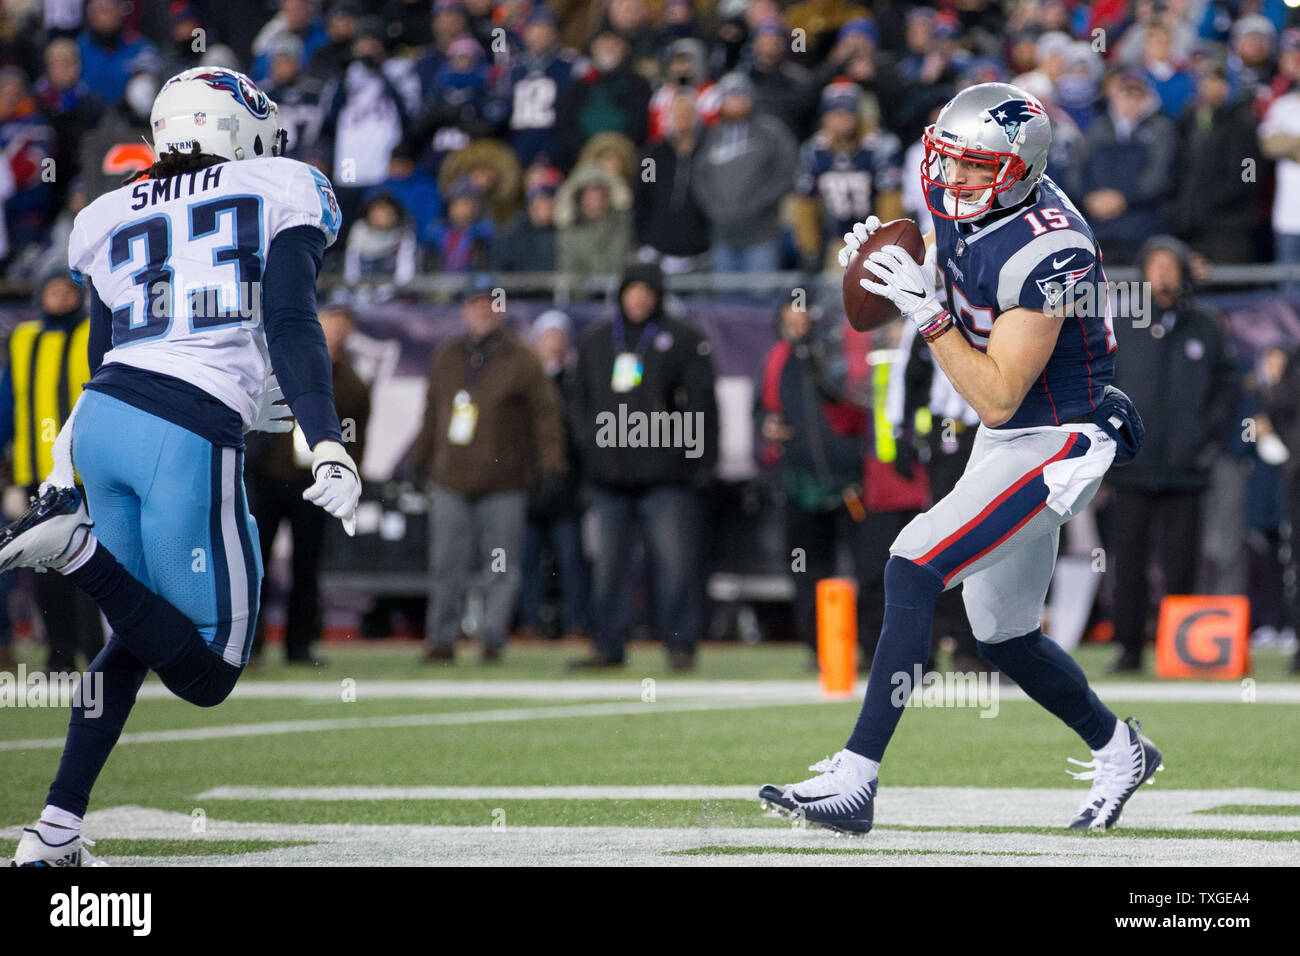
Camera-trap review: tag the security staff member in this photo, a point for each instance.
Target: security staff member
(48, 365)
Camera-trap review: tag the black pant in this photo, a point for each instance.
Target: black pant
(273, 501)
(818, 535)
(1173, 517)
(71, 619)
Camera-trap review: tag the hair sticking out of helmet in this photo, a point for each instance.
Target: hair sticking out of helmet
(987, 147)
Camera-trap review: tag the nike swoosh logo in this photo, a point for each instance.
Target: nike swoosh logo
(1057, 265)
(795, 794)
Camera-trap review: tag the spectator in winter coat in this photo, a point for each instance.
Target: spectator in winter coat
(645, 369)
(110, 51)
(610, 95)
(670, 224)
(746, 167)
(1178, 373)
(492, 425)
(538, 80)
(593, 218)
(463, 240)
(528, 245)
(1126, 169)
(1217, 212)
(382, 245)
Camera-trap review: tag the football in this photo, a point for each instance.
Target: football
(866, 310)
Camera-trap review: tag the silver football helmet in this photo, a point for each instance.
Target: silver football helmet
(990, 128)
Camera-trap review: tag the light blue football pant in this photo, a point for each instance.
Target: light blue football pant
(170, 506)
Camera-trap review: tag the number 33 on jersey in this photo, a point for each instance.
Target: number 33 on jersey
(179, 261)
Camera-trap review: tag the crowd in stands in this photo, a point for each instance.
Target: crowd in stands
(737, 135)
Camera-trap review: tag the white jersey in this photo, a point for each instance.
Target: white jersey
(179, 262)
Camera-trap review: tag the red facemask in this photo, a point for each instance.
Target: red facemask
(1007, 169)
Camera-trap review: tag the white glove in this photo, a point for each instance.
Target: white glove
(337, 486)
(855, 237)
(903, 282)
(273, 415)
(62, 474)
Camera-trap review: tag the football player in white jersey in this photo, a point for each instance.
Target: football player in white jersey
(202, 278)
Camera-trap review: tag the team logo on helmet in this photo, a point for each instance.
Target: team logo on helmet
(1012, 114)
(238, 86)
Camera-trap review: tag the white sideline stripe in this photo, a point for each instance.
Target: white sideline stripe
(902, 806)
(274, 727)
(408, 845)
(806, 690)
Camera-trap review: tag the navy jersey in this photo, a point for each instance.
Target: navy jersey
(1042, 256)
(848, 182)
(536, 87)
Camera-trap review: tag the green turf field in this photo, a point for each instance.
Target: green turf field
(377, 758)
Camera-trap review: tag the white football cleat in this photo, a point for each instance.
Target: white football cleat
(34, 851)
(1116, 772)
(49, 534)
(841, 797)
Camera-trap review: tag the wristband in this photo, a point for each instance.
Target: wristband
(936, 327)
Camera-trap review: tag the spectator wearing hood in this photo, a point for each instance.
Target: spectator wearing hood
(640, 364)
(48, 366)
(494, 171)
(1126, 168)
(459, 104)
(609, 95)
(848, 170)
(1279, 140)
(537, 82)
(593, 219)
(110, 50)
(671, 226)
(685, 71)
(528, 244)
(555, 508)
(746, 167)
(492, 426)
(1250, 61)
(1217, 211)
(1179, 374)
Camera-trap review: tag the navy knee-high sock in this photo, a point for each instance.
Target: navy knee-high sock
(910, 593)
(155, 631)
(104, 701)
(1054, 679)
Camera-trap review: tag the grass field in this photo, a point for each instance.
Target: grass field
(378, 759)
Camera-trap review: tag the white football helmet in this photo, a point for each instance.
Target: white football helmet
(995, 126)
(221, 110)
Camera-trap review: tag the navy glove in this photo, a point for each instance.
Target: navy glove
(1118, 417)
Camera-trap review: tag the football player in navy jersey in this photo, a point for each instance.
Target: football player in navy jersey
(1024, 333)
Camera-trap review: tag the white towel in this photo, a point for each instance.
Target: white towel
(1068, 478)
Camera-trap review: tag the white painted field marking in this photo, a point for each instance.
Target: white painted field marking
(271, 728)
(899, 806)
(374, 845)
(668, 689)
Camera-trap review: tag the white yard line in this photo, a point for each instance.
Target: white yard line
(901, 806)
(271, 728)
(1229, 692)
(374, 845)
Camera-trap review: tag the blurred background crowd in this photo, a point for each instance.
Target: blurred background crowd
(626, 146)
